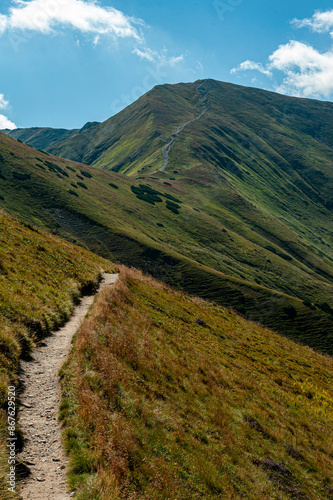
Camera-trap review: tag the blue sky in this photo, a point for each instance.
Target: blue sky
(66, 62)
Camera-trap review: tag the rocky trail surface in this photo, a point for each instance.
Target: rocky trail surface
(171, 140)
(40, 399)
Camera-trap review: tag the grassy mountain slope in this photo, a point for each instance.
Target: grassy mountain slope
(216, 244)
(133, 135)
(157, 405)
(41, 276)
(44, 137)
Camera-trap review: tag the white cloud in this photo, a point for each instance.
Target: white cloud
(5, 123)
(251, 65)
(307, 72)
(172, 61)
(3, 24)
(320, 22)
(160, 58)
(147, 54)
(45, 16)
(3, 102)
(85, 16)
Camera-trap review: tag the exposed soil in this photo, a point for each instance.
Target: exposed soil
(40, 399)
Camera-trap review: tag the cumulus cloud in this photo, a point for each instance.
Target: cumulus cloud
(85, 16)
(45, 16)
(251, 65)
(3, 102)
(6, 123)
(307, 72)
(320, 22)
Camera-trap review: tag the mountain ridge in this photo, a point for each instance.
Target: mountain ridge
(241, 215)
(43, 137)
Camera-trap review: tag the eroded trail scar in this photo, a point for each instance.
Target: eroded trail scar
(40, 398)
(171, 140)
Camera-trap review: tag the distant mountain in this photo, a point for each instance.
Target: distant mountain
(42, 138)
(201, 229)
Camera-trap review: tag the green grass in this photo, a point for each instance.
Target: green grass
(224, 244)
(157, 404)
(41, 277)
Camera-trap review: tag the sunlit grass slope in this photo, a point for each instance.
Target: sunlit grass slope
(41, 277)
(216, 244)
(171, 397)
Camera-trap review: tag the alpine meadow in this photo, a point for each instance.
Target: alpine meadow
(198, 219)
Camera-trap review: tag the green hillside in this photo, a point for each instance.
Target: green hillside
(41, 277)
(170, 397)
(194, 231)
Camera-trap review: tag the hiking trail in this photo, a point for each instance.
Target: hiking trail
(38, 417)
(171, 139)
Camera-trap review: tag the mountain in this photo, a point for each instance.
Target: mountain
(233, 129)
(42, 138)
(250, 227)
(171, 397)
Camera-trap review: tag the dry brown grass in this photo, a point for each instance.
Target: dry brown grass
(162, 407)
(41, 277)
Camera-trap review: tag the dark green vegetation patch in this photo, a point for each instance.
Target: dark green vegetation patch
(86, 174)
(147, 193)
(21, 176)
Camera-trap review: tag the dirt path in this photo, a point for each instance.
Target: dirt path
(173, 137)
(40, 399)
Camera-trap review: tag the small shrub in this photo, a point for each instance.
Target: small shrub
(172, 198)
(41, 167)
(271, 249)
(113, 185)
(86, 174)
(72, 192)
(55, 168)
(285, 256)
(173, 209)
(80, 177)
(148, 189)
(146, 193)
(82, 185)
(21, 177)
(171, 204)
(148, 198)
(308, 304)
(1, 197)
(159, 224)
(325, 307)
(290, 311)
(70, 168)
